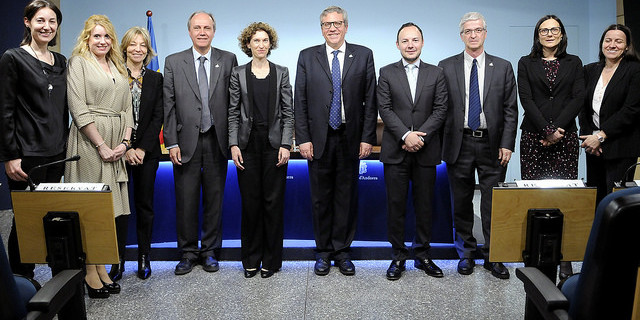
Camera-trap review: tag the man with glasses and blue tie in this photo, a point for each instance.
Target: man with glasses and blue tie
(335, 127)
(412, 100)
(479, 136)
(196, 100)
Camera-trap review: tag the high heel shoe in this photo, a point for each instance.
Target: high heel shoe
(116, 271)
(250, 273)
(100, 293)
(144, 266)
(113, 287)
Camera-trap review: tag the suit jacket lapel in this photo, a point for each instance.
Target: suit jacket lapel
(617, 77)
(593, 82)
(563, 69)
(488, 74)
(459, 67)
(274, 79)
(348, 59)
(214, 71)
(189, 69)
(422, 78)
(245, 82)
(403, 78)
(321, 55)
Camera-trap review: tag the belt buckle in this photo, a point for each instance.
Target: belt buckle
(477, 134)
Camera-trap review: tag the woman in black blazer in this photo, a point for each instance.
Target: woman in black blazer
(34, 118)
(144, 154)
(260, 136)
(551, 89)
(610, 120)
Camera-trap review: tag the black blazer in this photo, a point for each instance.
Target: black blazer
(314, 90)
(280, 113)
(151, 114)
(619, 112)
(427, 114)
(499, 104)
(558, 107)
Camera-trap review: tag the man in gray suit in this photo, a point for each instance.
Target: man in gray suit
(196, 100)
(412, 100)
(479, 135)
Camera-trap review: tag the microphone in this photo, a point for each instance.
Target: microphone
(32, 186)
(623, 181)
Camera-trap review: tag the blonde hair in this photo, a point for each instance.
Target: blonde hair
(82, 43)
(128, 37)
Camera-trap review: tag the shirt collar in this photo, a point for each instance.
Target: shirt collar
(330, 50)
(469, 59)
(197, 55)
(415, 63)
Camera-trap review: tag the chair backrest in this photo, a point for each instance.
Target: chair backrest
(607, 282)
(11, 304)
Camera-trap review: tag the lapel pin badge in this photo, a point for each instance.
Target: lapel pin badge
(490, 64)
(217, 66)
(350, 56)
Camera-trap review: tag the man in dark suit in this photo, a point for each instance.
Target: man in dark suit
(335, 122)
(479, 135)
(195, 132)
(412, 99)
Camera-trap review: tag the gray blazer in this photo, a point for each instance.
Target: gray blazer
(182, 99)
(499, 104)
(241, 109)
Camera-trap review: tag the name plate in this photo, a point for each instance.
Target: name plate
(550, 183)
(77, 187)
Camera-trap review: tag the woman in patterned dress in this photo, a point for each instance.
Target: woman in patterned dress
(551, 89)
(100, 105)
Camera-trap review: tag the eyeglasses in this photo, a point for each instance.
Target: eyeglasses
(554, 31)
(336, 24)
(467, 32)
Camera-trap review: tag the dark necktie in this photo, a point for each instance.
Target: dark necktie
(474, 98)
(335, 118)
(203, 84)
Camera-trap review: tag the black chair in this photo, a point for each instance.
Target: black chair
(20, 299)
(606, 285)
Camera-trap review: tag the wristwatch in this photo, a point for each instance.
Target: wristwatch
(600, 138)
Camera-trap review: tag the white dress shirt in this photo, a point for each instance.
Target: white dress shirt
(468, 63)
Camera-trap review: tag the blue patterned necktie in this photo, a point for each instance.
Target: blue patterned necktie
(203, 84)
(335, 118)
(474, 98)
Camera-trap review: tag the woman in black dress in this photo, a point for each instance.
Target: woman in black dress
(34, 117)
(260, 136)
(551, 89)
(610, 120)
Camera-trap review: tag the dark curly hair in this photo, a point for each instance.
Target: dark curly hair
(245, 36)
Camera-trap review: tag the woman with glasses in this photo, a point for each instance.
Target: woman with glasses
(551, 89)
(260, 136)
(609, 122)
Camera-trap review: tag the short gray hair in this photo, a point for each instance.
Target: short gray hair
(471, 16)
(198, 12)
(335, 9)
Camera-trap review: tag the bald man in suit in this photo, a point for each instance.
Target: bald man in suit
(196, 93)
(479, 142)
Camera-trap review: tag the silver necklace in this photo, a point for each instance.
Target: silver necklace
(50, 86)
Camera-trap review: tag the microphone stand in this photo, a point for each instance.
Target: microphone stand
(32, 186)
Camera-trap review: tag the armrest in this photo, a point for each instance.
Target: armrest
(56, 292)
(541, 291)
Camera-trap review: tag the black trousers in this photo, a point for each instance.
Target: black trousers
(423, 179)
(48, 174)
(207, 168)
(602, 173)
(475, 156)
(334, 190)
(143, 179)
(262, 187)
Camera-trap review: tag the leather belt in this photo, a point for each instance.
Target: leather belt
(480, 133)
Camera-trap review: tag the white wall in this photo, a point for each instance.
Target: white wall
(373, 23)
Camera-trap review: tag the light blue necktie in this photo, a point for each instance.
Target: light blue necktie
(335, 118)
(203, 84)
(474, 98)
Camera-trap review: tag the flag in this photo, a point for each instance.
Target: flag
(153, 65)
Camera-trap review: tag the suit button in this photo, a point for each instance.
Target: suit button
(551, 98)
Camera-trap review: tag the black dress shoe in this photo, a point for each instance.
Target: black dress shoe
(395, 270)
(99, 293)
(497, 269)
(250, 273)
(267, 273)
(184, 266)
(321, 267)
(115, 273)
(429, 267)
(144, 266)
(113, 287)
(346, 267)
(210, 264)
(465, 266)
